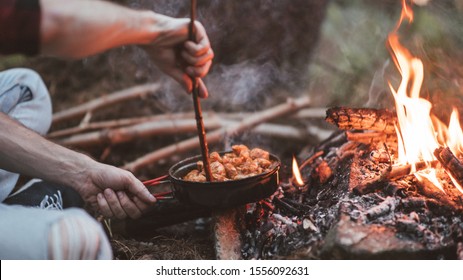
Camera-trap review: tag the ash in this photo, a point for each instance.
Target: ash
(356, 213)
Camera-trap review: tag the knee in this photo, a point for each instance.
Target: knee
(34, 109)
(78, 236)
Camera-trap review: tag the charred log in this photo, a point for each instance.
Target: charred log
(450, 163)
(362, 119)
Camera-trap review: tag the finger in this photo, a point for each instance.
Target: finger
(141, 205)
(104, 206)
(202, 41)
(137, 188)
(198, 60)
(199, 71)
(114, 204)
(129, 206)
(183, 79)
(203, 92)
(197, 49)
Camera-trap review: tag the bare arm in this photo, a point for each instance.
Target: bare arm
(79, 28)
(23, 151)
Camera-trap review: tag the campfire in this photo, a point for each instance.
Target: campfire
(386, 185)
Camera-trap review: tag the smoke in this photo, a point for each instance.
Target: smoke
(379, 94)
(260, 46)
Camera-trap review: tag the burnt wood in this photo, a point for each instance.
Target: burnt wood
(381, 120)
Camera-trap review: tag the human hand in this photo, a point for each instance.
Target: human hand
(178, 57)
(115, 192)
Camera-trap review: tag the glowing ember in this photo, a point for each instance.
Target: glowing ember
(419, 133)
(297, 178)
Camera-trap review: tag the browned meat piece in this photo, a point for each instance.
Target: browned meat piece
(259, 153)
(249, 167)
(241, 150)
(218, 171)
(200, 165)
(214, 156)
(264, 163)
(195, 176)
(231, 170)
(239, 164)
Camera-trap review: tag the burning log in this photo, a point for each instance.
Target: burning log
(372, 137)
(450, 163)
(392, 173)
(362, 119)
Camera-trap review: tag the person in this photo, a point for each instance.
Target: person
(46, 228)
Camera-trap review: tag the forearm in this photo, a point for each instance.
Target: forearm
(25, 152)
(78, 28)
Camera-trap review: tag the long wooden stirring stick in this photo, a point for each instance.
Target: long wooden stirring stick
(197, 104)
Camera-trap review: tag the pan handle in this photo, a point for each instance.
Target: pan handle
(168, 195)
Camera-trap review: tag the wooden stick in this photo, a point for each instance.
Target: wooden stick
(311, 113)
(275, 130)
(116, 123)
(197, 103)
(106, 101)
(404, 170)
(218, 135)
(138, 131)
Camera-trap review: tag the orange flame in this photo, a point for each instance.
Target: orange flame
(419, 132)
(297, 178)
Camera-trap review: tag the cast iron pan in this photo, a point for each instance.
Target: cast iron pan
(220, 194)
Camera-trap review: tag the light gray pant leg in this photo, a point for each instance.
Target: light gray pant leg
(24, 97)
(33, 233)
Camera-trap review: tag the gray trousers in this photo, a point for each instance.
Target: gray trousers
(25, 232)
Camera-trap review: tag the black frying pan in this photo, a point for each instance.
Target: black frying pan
(218, 194)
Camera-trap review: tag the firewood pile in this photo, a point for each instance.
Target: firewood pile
(89, 134)
(355, 204)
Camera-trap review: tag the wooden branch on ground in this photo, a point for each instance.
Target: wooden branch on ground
(117, 123)
(311, 113)
(106, 101)
(362, 119)
(274, 130)
(307, 113)
(161, 125)
(138, 131)
(218, 135)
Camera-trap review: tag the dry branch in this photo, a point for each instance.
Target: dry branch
(105, 101)
(150, 126)
(138, 131)
(218, 135)
(362, 119)
(115, 123)
(275, 130)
